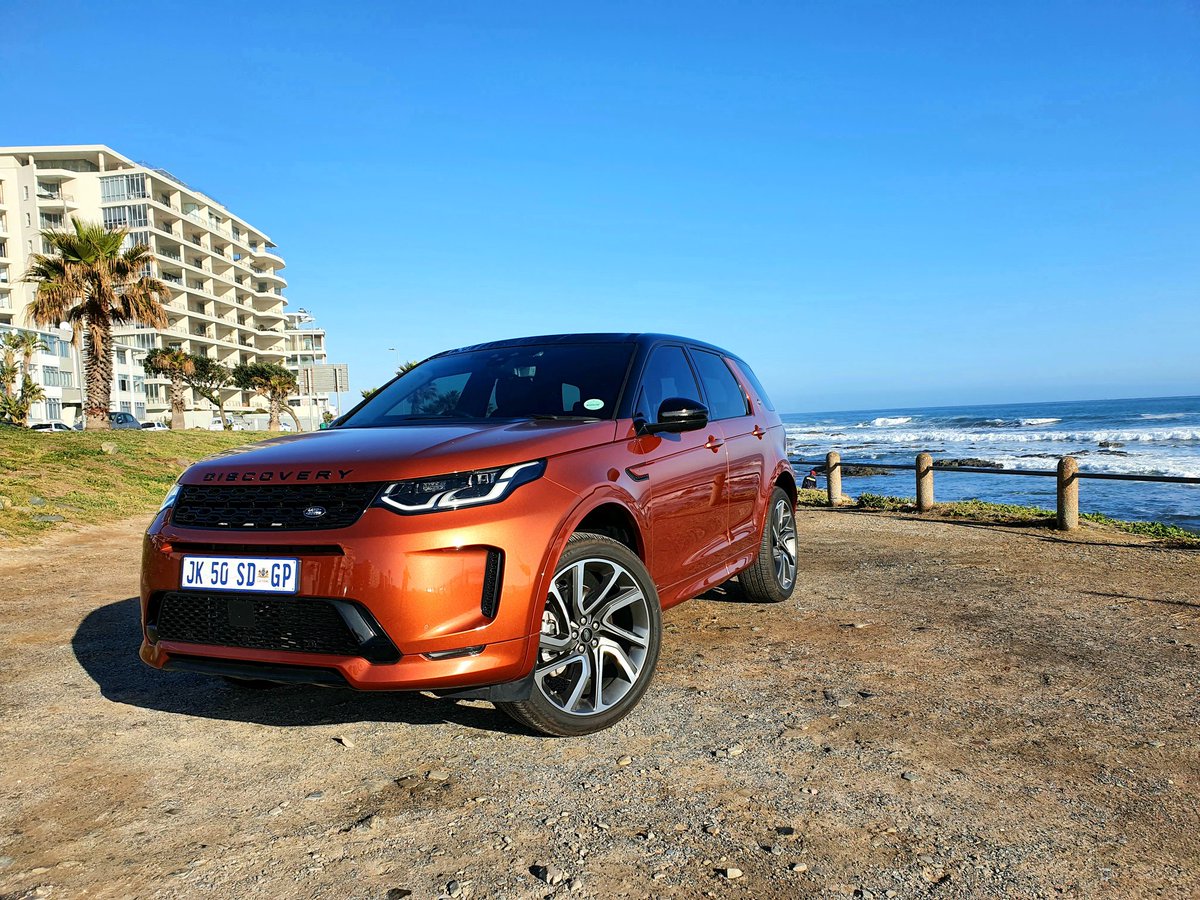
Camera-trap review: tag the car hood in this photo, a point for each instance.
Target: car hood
(394, 453)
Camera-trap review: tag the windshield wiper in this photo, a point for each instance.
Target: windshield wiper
(547, 417)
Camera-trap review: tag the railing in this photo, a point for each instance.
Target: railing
(1067, 476)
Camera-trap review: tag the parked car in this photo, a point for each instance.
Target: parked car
(123, 420)
(505, 521)
(154, 426)
(236, 424)
(50, 426)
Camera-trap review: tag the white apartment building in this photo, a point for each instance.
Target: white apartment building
(305, 347)
(226, 287)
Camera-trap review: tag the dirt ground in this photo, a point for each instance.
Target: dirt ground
(942, 709)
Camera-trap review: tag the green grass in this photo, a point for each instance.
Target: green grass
(1009, 514)
(1159, 530)
(74, 478)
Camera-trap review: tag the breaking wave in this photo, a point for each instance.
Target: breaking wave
(888, 421)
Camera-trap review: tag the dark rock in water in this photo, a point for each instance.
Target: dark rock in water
(1111, 445)
(970, 462)
(861, 471)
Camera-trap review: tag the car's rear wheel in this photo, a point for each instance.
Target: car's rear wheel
(771, 578)
(599, 642)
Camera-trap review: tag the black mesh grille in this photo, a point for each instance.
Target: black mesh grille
(275, 507)
(489, 604)
(265, 623)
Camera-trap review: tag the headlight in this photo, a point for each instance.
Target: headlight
(483, 486)
(169, 500)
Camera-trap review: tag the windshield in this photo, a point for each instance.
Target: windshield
(553, 381)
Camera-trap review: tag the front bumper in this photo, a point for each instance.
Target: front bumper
(423, 579)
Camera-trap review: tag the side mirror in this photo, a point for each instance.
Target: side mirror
(678, 414)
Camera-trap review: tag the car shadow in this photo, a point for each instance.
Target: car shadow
(106, 645)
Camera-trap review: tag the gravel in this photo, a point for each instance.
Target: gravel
(122, 781)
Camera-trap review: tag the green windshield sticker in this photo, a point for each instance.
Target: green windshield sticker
(593, 404)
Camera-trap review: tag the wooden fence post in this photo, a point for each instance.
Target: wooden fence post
(833, 476)
(1068, 494)
(924, 482)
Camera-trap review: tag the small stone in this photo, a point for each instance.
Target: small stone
(784, 830)
(108, 447)
(736, 750)
(438, 775)
(345, 742)
(37, 501)
(624, 760)
(731, 873)
(314, 795)
(550, 874)
(798, 867)
(454, 889)
(843, 704)
(658, 876)
(49, 518)
(5, 862)
(712, 829)
(398, 893)
(910, 776)
(5, 503)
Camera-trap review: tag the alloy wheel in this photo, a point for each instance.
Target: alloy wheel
(595, 637)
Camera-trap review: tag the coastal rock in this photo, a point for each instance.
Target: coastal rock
(1111, 445)
(861, 471)
(972, 462)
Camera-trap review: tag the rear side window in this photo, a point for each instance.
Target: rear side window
(667, 375)
(725, 397)
(756, 384)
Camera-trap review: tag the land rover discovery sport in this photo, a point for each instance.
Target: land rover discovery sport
(504, 521)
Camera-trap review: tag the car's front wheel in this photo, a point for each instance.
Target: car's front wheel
(599, 641)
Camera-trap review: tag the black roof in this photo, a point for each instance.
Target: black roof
(644, 338)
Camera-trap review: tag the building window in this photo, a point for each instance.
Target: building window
(139, 384)
(152, 392)
(125, 406)
(51, 220)
(53, 409)
(122, 358)
(26, 197)
(134, 216)
(123, 384)
(123, 187)
(28, 218)
(139, 411)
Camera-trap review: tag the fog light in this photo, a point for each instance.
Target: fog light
(454, 654)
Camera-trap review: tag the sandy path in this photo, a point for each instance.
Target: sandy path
(1017, 716)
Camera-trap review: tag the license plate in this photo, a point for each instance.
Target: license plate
(241, 573)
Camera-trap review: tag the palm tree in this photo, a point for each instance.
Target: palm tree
(175, 365)
(273, 382)
(89, 281)
(15, 404)
(207, 379)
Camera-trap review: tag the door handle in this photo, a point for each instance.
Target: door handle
(714, 443)
(758, 432)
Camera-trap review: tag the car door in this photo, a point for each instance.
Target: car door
(686, 471)
(744, 434)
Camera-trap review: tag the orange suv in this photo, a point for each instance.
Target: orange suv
(505, 521)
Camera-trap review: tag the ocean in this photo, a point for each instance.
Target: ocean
(1153, 436)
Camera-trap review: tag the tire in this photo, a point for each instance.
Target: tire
(771, 578)
(602, 615)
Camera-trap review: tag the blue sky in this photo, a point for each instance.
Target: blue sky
(877, 204)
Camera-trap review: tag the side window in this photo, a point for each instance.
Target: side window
(725, 397)
(758, 388)
(667, 375)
